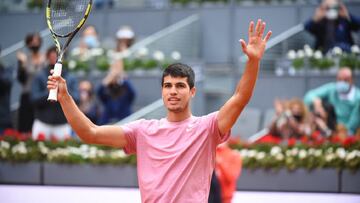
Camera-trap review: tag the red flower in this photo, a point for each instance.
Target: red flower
(41, 137)
(349, 141)
(291, 141)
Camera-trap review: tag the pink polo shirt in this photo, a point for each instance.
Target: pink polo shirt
(175, 159)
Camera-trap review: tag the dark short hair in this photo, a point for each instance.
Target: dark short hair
(29, 38)
(50, 50)
(180, 70)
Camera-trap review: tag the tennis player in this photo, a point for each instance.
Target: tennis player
(176, 154)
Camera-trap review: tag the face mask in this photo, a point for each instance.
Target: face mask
(332, 14)
(342, 87)
(91, 41)
(34, 48)
(298, 118)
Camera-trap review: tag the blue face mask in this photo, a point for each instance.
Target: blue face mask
(342, 87)
(91, 41)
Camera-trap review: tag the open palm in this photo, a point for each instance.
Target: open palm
(255, 47)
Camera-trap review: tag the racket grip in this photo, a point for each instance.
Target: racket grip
(53, 92)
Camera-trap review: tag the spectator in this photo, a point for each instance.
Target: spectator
(89, 40)
(332, 25)
(292, 119)
(50, 121)
(343, 95)
(28, 65)
(228, 169)
(88, 103)
(117, 95)
(325, 123)
(5, 89)
(125, 37)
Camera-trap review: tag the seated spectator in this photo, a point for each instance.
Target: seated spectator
(117, 96)
(343, 95)
(5, 89)
(28, 66)
(50, 121)
(292, 119)
(324, 123)
(332, 25)
(88, 103)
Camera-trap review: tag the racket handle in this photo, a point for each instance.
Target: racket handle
(53, 92)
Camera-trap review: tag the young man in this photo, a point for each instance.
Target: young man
(176, 155)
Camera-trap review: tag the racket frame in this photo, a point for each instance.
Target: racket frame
(61, 49)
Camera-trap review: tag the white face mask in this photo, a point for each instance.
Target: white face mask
(342, 87)
(332, 14)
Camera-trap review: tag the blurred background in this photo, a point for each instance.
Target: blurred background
(299, 133)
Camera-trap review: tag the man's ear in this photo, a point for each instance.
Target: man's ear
(193, 91)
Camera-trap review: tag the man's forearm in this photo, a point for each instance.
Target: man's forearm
(83, 127)
(247, 83)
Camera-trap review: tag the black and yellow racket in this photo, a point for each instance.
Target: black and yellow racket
(64, 19)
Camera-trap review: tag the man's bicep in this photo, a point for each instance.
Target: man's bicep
(229, 113)
(110, 135)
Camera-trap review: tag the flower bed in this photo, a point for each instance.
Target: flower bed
(295, 154)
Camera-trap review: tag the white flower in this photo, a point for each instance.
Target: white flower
(300, 54)
(279, 157)
(275, 150)
(350, 155)
(20, 148)
(329, 157)
(318, 152)
(244, 152)
(318, 55)
(159, 56)
(260, 155)
(355, 49)
(96, 52)
(341, 153)
(330, 150)
(252, 153)
(117, 154)
(308, 51)
(294, 151)
(311, 151)
(291, 55)
(302, 154)
(43, 148)
(175, 55)
(142, 52)
(72, 64)
(4, 145)
(337, 51)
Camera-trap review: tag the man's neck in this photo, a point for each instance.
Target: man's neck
(178, 116)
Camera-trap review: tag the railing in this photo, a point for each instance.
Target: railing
(183, 36)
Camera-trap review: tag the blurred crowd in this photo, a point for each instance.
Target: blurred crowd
(103, 102)
(332, 109)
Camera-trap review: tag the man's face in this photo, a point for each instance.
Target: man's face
(176, 93)
(52, 58)
(345, 76)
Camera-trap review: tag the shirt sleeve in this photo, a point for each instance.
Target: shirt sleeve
(214, 128)
(131, 133)
(321, 92)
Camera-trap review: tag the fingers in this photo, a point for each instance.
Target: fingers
(243, 45)
(251, 28)
(258, 27)
(267, 37)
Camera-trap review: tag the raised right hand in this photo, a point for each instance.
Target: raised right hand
(57, 81)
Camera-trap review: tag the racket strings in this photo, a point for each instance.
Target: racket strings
(66, 15)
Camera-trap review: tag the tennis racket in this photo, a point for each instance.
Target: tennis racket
(64, 19)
